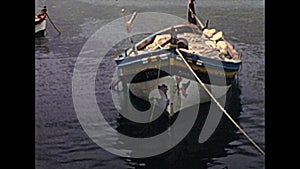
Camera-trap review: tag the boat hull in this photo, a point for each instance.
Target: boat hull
(40, 28)
(175, 93)
(145, 67)
(163, 77)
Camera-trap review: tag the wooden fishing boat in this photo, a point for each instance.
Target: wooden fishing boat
(155, 68)
(40, 22)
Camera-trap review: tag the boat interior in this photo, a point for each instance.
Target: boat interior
(191, 39)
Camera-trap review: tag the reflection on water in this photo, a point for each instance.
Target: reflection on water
(189, 153)
(40, 45)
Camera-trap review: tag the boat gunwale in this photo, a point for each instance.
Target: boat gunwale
(40, 18)
(190, 56)
(199, 57)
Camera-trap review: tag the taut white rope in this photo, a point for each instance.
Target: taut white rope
(218, 104)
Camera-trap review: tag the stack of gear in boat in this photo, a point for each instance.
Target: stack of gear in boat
(217, 41)
(210, 44)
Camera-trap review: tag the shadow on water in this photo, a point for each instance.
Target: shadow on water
(188, 153)
(41, 44)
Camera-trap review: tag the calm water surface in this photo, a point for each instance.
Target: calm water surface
(61, 141)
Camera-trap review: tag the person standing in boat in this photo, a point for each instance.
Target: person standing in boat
(191, 12)
(44, 10)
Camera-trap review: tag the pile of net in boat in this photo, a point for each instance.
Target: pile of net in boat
(209, 44)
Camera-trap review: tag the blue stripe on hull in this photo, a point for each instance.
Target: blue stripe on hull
(137, 71)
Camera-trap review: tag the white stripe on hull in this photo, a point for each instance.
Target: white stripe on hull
(182, 93)
(40, 27)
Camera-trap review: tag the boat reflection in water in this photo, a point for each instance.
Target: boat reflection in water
(189, 153)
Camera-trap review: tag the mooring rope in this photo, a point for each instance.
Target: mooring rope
(218, 104)
(53, 24)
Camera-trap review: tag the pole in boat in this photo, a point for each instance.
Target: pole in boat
(128, 27)
(217, 103)
(44, 10)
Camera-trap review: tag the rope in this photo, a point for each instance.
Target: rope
(218, 104)
(53, 24)
(157, 81)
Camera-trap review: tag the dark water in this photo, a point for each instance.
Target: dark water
(61, 141)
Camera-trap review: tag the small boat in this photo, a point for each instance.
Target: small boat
(155, 67)
(40, 22)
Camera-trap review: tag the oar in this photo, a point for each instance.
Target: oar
(218, 104)
(53, 24)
